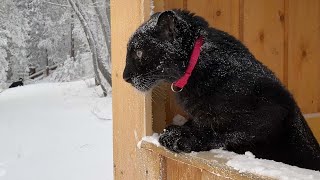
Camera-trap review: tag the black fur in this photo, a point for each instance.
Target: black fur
(17, 83)
(235, 101)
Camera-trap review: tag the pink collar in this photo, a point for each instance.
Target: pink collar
(178, 85)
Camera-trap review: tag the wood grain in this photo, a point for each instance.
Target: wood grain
(151, 165)
(180, 171)
(205, 175)
(304, 53)
(263, 32)
(203, 8)
(221, 14)
(158, 5)
(178, 165)
(131, 109)
(173, 4)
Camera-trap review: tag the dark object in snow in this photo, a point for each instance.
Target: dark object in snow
(17, 83)
(235, 101)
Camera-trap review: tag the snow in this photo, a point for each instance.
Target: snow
(55, 131)
(154, 139)
(248, 163)
(179, 120)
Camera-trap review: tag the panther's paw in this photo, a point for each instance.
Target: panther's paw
(177, 139)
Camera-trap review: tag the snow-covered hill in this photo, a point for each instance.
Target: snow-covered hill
(55, 131)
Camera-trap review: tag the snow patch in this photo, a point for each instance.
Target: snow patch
(2, 171)
(248, 163)
(179, 120)
(154, 139)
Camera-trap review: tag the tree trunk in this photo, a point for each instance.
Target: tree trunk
(104, 77)
(72, 54)
(46, 72)
(105, 27)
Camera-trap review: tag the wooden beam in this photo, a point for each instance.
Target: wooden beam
(131, 109)
(203, 164)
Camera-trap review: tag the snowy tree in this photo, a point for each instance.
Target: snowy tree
(73, 35)
(48, 43)
(3, 62)
(100, 65)
(69, 71)
(14, 28)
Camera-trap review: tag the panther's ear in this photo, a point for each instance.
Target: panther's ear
(166, 25)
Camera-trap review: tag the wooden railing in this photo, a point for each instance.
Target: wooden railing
(199, 166)
(44, 71)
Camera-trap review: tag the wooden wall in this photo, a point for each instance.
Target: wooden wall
(283, 34)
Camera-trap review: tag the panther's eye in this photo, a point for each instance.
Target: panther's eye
(139, 53)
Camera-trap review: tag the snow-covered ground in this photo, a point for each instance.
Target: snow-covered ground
(55, 131)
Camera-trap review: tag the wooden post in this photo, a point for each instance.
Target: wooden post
(46, 72)
(131, 109)
(72, 53)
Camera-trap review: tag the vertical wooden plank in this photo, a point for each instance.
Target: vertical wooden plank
(221, 14)
(153, 165)
(179, 171)
(161, 5)
(158, 5)
(131, 109)
(241, 19)
(304, 53)
(173, 4)
(227, 16)
(263, 32)
(285, 45)
(203, 9)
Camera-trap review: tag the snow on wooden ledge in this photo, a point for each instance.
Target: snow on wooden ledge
(229, 165)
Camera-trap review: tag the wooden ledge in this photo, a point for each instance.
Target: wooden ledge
(204, 161)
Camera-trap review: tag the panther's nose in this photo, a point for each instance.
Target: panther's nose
(127, 75)
(128, 79)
